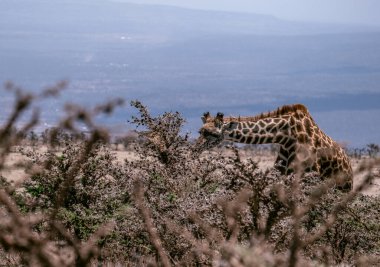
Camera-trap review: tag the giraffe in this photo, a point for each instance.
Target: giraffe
(302, 143)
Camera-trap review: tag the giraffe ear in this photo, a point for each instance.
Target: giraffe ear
(219, 116)
(219, 119)
(205, 116)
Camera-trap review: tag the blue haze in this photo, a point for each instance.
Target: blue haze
(193, 61)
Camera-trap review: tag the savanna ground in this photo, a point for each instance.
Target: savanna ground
(263, 156)
(156, 199)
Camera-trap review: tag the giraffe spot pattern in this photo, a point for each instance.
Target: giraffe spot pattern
(245, 131)
(292, 126)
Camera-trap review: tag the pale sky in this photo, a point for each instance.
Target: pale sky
(365, 12)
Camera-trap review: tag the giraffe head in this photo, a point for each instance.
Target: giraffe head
(211, 132)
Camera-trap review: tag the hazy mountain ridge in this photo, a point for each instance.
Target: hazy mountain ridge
(98, 16)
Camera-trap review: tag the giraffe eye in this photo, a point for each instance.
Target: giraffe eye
(218, 124)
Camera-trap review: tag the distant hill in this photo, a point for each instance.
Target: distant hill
(102, 16)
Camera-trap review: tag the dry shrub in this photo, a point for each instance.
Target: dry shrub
(174, 204)
(34, 230)
(207, 208)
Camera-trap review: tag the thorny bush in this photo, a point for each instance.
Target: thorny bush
(173, 204)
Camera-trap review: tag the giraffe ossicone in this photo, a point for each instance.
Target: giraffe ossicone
(302, 143)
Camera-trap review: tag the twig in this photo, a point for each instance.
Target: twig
(149, 225)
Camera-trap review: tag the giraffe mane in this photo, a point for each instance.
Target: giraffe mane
(287, 109)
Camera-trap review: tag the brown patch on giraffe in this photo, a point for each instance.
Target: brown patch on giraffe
(303, 138)
(256, 129)
(262, 124)
(308, 126)
(255, 140)
(245, 131)
(292, 121)
(261, 140)
(299, 127)
(281, 139)
(317, 142)
(271, 127)
(287, 142)
(281, 124)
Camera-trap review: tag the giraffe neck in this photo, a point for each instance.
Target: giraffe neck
(262, 131)
(277, 130)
